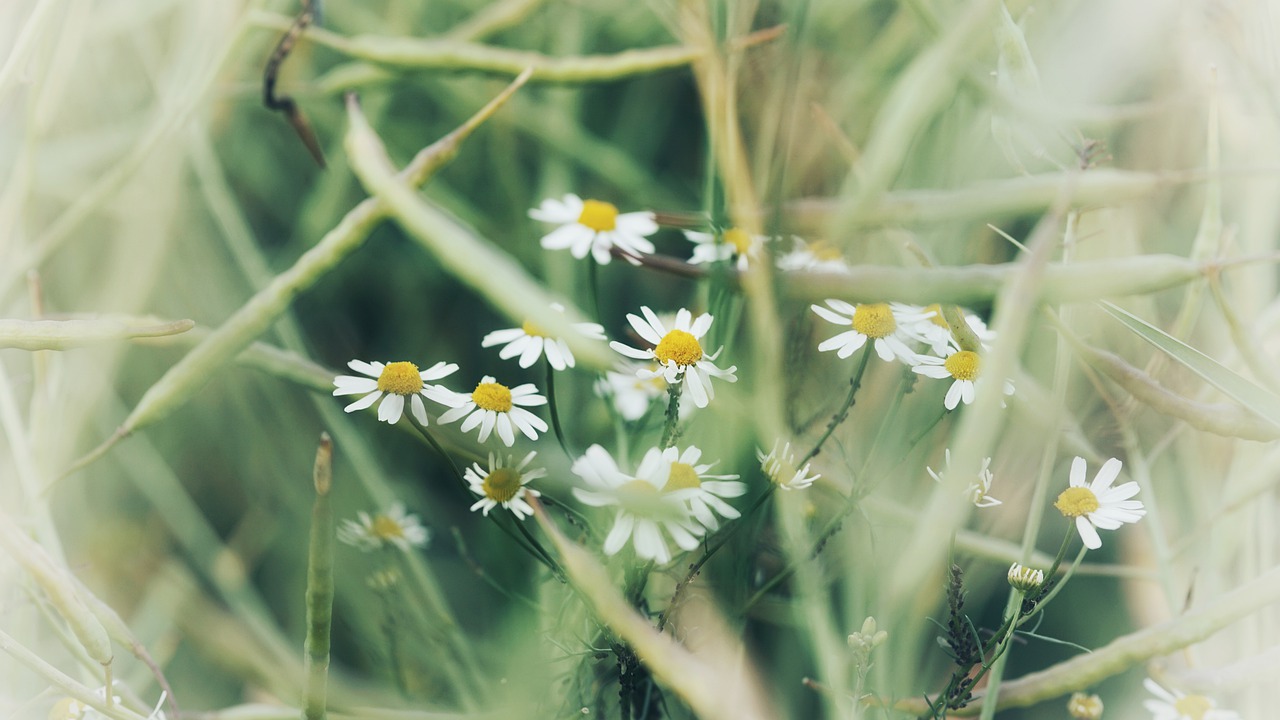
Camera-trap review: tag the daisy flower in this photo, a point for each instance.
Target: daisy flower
(393, 382)
(684, 473)
(494, 405)
(632, 396)
(732, 244)
(678, 352)
(820, 256)
(963, 367)
(977, 491)
(1173, 705)
(874, 321)
(644, 511)
(780, 467)
(1025, 578)
(393, 527)
(530, 342)
(504, 484)
(594, 226)
(1098, 505)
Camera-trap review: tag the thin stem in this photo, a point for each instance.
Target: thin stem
(593, 286)
(669, 432)
(555, 412)
(854, 383)
(721, 538)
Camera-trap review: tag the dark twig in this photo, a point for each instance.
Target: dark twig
(284, 103)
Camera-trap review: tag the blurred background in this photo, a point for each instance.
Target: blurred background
(141, 176)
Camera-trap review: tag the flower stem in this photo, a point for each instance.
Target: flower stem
(593, 285)
(555, 412)
(854, 383)
(669, 432)
(721, 538)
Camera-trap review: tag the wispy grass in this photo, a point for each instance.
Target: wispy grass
(180, 285)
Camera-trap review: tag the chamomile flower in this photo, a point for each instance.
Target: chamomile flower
(678, 352)
(632, 396)
(493, 405)
(1174, 705)
(963, 367)
(395, 527)
(872, 321)
(977, 490)
(393, 382)
(1098, 505)
(732, 244)
(684, 473)
(820, 256)
(1025, 578)
(644, 511)
(780, 467)
(594, 226)
(504, 484)
(530, 342)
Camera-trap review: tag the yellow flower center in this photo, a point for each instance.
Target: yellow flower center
(824, 250)
(492, 396)
(599, 216)
(1076, 501)
(679, 346)
(874, 320)
(400, 378)
(386, 528)
(532, 330)
(1193, 706)
(502, 484)
(937, 318)
(740, 241)
(683, 477)
(963, 365)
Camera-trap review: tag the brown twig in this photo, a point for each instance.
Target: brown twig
(284, 103)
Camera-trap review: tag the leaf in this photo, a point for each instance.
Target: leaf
(1254, 397)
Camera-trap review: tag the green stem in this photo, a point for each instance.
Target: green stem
(555, 412)
(319, 593)
(854, 383)
(673, 415)
(998, 660)
(593, 286)
(721, 538)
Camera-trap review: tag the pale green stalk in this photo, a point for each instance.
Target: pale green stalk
(979, 424)
(974, 285)
(56, 677)
(61, 589)
(415, 54)
(256, 316)
(1039, 497)
(73, 333)
(493, 18)
(319, 591)
(988, 199)
(921, 91)
(169, 120)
